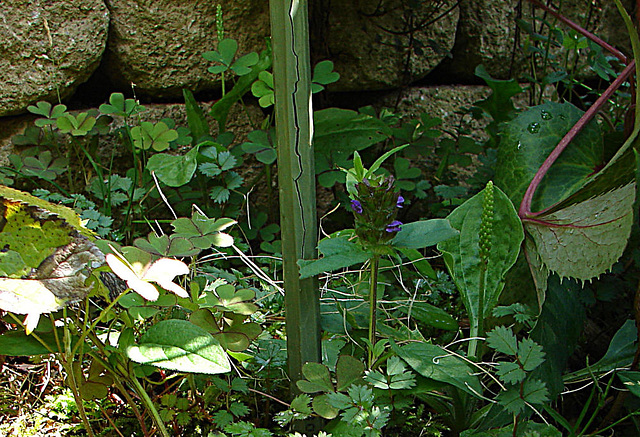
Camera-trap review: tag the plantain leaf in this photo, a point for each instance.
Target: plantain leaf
(462, 252)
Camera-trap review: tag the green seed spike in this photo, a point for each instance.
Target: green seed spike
(486, 224)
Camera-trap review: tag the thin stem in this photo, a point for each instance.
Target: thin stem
(525, 206)
(477, 328)
(373, 307)
(614, 51)
(149, 404)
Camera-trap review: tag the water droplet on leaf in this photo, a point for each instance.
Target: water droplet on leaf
(546, 115)
(533, 128)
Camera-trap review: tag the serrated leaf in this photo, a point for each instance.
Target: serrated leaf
(301, 403)
(585, 239)
(510, 373)
(530, 354)
(510, 399)
(535, 392)
(503, 340)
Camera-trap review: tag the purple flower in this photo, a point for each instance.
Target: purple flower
(356, 206)
(394, 226)
(400, 201)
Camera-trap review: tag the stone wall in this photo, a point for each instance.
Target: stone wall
(49, 48)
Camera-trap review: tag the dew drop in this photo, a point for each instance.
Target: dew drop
(534, 128)
(519, 145)
(546, 115)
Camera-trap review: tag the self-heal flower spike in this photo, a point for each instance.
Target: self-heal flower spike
(356, 206)
(394, 226)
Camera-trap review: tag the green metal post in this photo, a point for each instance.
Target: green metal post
(296, 178)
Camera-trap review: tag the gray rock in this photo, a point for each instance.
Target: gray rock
(47, 49)
(376, 46)
(158, 45)
(487, 34)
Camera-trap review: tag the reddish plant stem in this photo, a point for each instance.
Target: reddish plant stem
(525, 206)
(605, 45)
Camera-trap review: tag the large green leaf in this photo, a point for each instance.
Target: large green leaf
(462, 252)
(182, 346)
(528, 139)
(338, 253)
(424, 233)
(436, 363)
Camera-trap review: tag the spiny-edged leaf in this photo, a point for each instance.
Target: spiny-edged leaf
(503, 340)
(585, 239)
(462, 252)
(174, 170)
(528, 139)
(435, 363)
(510, 373)
(530, 354)
(233, 180)
(348, 371)
(424, 233)
(182, 346)
(222, 418)
(338, 253)
(317, 379)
